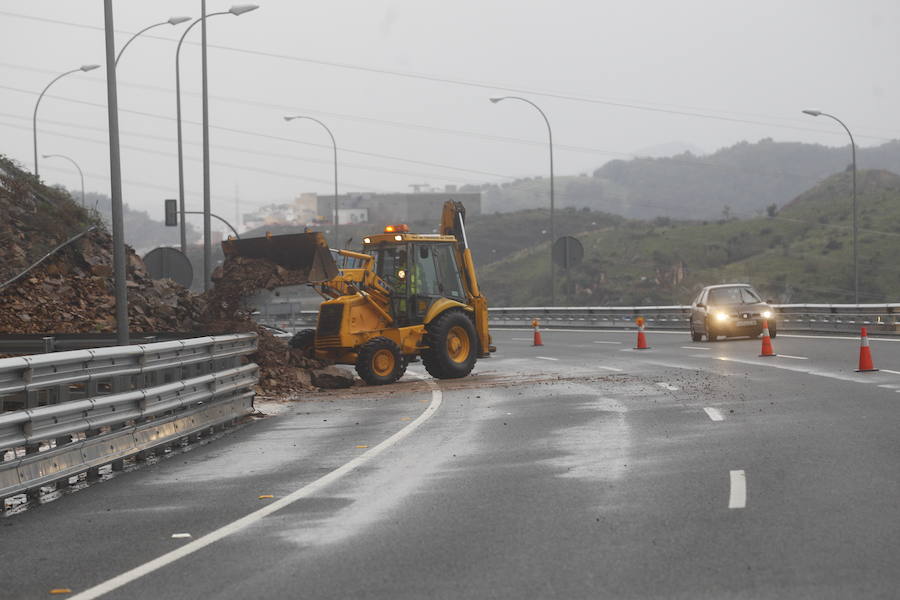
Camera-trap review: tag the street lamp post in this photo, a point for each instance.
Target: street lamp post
(237, 10)
(817, 113)
(552, 204)
(171, 21)
(84, 68)
(80, 173)
(337, 236)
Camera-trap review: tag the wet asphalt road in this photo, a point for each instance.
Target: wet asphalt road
(580, 469)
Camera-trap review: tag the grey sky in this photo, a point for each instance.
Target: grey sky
(753, 65)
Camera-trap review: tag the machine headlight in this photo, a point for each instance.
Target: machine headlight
(720, 316)
(767, 314)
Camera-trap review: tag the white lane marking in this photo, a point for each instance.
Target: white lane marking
(889, 371)
(180, 535)
(596, 342)
(607, 368)
(247, 520)
(696, 348)
(668, 386)
(714, 413)
(796, 357)
(546, 358)
(890, 386)
(738, 496)
(685, 333)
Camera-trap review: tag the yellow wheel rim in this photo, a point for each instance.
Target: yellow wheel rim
(458, 344)
(383, 363)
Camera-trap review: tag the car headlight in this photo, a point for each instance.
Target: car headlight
(767, 314)
(720, 316)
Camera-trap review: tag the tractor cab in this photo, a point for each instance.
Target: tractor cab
(418, 270)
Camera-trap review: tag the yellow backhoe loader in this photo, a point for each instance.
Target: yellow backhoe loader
(404, 296)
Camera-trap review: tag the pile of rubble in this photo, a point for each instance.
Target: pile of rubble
(72, 290)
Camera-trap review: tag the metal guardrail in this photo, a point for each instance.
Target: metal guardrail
(817, 318)
(67, 413)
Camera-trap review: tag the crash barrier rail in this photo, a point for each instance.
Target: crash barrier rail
(58, 342)
(816, 318)
(67, 413)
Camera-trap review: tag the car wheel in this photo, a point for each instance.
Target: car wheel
(695, 337)
(709, 333)
(772, 332)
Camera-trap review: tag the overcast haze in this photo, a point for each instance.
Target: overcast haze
(742, 70)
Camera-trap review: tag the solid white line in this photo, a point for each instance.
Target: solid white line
(244, 522)
(607, 342)
(797, 357)
(607, 368)
(738, 496)
(889, 371)
(696, 348)
(546, 358)
(714, 413)
(668, 386)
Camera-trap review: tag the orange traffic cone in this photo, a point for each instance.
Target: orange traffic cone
(865, 354)
(766, 341)
(537, 333)
(641, 338)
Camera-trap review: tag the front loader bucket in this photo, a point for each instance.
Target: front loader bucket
(302, 252)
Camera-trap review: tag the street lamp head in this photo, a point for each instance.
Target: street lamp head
(812, 113)
(239, 9)
(87, 68)
(178, 20)
(495, 100)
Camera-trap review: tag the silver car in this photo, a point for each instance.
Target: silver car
(730, 310)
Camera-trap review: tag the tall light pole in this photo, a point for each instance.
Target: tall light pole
(80, 173)
(237, 10)
(334, 145)
(552, 204)
(115, 179)
(84, 68)
(171, 21)
(818, 113)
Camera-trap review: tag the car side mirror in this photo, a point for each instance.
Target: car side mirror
(769, 302)
(701, 305)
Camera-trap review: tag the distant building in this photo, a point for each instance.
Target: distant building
(378, 209)
(400, 208)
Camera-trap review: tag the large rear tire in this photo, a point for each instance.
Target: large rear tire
(379, 361)
(452, 345)
(305, 341)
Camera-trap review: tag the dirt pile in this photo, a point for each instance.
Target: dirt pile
(72, 290)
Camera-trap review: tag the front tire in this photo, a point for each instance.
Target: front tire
(452, 346)
(379, 361)
(772, 332)
(305, 341)
(695, 337)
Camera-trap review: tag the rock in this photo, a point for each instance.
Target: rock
(333, 377)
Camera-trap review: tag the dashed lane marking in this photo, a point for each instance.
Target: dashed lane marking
(696, 348)
(546, 358)
(257, 515)
(794, 357)
(598, 342)
(714, 413)
(607, 368)
(738, 496)
(889, 371)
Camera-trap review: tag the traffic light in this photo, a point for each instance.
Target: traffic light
(171, 213)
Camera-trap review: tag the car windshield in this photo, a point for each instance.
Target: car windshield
(733, 295)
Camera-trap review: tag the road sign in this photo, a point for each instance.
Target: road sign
(567, 252)
(169, 263)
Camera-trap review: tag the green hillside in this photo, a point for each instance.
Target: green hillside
(802, 253)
